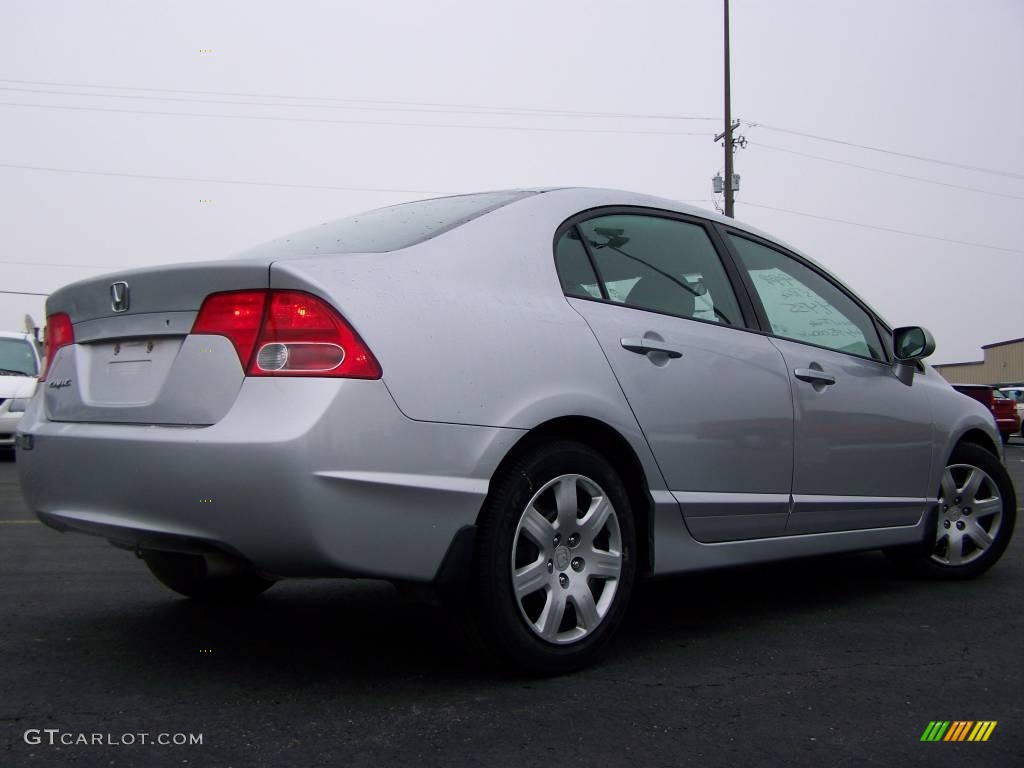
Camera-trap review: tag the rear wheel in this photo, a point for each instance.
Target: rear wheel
(205, 577)
(977, 510)
(555, 562)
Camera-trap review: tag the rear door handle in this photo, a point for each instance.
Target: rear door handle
(813, 376)
(643, 346)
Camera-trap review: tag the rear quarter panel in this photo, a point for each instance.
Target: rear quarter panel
(472, 327)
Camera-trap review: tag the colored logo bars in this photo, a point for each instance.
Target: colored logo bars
(958, 730)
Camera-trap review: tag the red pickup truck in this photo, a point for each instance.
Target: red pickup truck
(1003, 408)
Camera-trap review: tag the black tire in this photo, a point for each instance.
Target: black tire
(919, 560)
(205, 577)
(497, 620)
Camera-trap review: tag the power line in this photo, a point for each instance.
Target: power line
(57, 264)
(243, 182)
(922, 158)
(491, 109)
(496, 110)
(887, 173)
(152, 177)
(377, 189)
(470, 126)
(358, 107)
(886, 229)
(24, 293)
(200, 180)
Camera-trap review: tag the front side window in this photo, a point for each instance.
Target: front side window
(804, 306)
(662, 265)
(17, 358)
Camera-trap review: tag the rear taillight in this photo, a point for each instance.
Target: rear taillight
(302, 335)
(287, 333)
(59, 333)
(237, 315)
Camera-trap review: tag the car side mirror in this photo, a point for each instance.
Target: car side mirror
(912, 343)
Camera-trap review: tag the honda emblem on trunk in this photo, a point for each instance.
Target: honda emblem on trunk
(119, 296)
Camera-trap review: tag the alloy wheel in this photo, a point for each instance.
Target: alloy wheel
(970, 515)
(566, 559)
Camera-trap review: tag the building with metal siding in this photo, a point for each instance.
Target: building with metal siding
(1003, 364)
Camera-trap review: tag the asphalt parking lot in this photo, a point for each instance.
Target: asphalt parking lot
(828, 662)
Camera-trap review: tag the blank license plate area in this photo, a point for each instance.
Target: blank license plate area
(131, 371)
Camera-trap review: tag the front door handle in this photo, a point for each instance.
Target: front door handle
(643, 346)
(814, 376)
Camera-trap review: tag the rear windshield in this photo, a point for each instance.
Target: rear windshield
(17, 358)
(391, 228)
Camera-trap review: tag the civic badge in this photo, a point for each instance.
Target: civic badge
(119, 296)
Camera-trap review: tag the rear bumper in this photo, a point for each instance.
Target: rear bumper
(1008, 425)
(303, 477)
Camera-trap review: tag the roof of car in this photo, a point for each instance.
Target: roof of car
(14, 335)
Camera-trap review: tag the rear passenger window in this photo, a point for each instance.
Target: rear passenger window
(574, 270)
(662, 265)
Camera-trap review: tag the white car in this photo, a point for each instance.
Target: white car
(1016, 394)
(19, 369)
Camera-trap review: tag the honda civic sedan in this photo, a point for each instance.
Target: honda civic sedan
(526, 400)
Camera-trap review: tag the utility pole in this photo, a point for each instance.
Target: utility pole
(728, 124)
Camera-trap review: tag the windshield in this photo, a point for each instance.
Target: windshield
(17, 358)
(389, 229)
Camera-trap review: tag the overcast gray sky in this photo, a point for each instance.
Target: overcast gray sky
(934, 78)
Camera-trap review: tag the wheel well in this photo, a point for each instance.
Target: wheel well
(619, 453)
(979, 438)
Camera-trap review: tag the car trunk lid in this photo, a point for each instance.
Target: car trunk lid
(133, 360)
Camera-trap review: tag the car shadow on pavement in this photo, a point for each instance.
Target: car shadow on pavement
(361, 631)
(717, 600)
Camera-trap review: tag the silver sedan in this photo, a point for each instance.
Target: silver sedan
(524, 400)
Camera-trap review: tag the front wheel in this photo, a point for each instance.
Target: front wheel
(977, 510)
(205, 577)
(555, 560)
